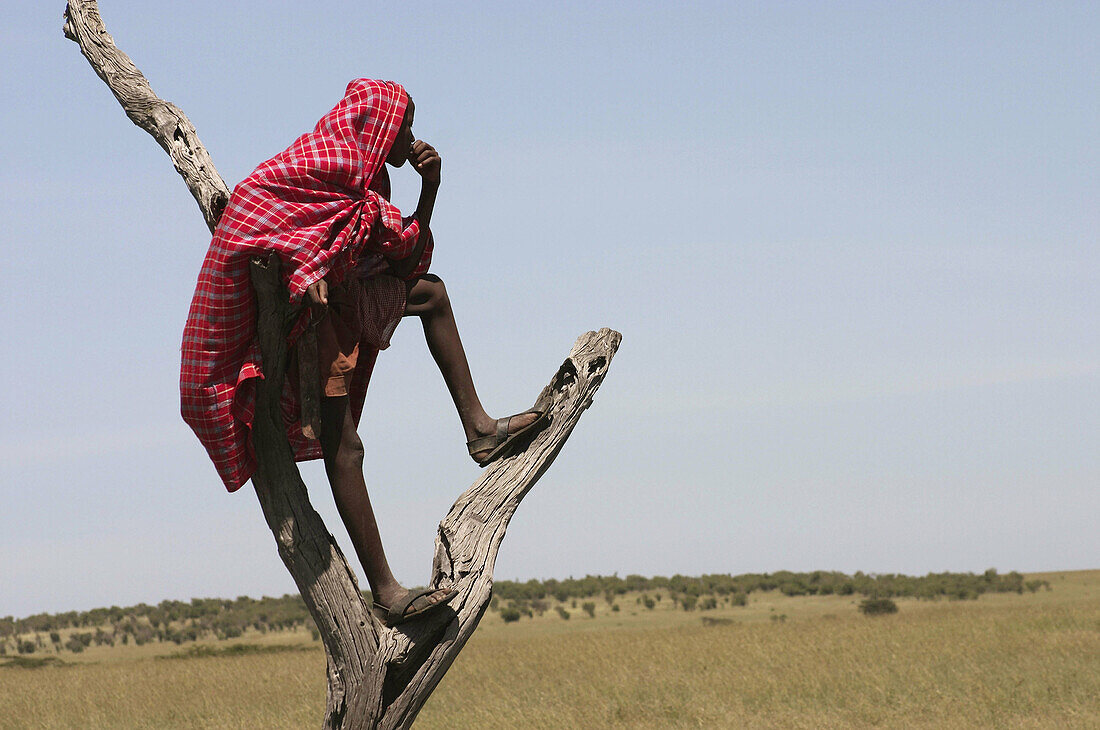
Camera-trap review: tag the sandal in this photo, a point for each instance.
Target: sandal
(399, 612)
(502, 443)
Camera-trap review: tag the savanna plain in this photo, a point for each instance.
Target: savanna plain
(634, 660)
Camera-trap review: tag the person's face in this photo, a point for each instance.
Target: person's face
(403, 143)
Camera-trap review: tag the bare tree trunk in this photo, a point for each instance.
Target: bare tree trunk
(377, 677)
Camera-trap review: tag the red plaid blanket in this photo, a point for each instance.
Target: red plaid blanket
(322, 205)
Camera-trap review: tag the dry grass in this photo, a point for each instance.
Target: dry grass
(1015, 661)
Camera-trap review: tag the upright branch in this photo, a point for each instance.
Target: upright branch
(377, 677)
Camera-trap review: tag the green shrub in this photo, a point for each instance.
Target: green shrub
(877, 606)
(589, 608)
(650, 603)
(688, 603)
(510, 614)
(562, 612)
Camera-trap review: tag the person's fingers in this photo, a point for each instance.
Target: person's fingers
(427, 156)
(322, 291)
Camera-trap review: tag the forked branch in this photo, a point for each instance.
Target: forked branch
(377, 677)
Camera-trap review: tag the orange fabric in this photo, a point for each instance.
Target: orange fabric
(361, 317)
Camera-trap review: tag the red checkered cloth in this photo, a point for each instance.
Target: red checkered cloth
(322, 205)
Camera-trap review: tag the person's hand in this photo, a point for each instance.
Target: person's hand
(317, 297)
(426, 161)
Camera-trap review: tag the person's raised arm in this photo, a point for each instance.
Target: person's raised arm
(427, 163)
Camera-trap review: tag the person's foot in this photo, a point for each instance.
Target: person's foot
(397, 605)
(488, 433)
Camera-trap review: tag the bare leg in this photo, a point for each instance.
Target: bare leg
(427, 299)
(343, 453)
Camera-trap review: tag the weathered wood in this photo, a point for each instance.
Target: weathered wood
(309, 383)
(377, 677)
(168, 125)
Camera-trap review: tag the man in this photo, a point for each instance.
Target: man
(322, 205)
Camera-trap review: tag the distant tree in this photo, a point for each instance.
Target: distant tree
(877, 606)
(589, 608)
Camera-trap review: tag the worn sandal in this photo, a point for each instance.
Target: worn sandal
(399, 612)
(502, 443)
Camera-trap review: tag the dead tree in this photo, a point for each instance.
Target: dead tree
(377, 677)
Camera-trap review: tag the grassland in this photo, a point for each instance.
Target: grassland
(1011, 660)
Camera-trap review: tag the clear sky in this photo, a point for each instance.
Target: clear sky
(852, 249)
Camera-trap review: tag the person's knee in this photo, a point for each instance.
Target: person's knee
(350, 453)
(438, 300)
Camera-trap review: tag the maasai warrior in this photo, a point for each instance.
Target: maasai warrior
(322, 205)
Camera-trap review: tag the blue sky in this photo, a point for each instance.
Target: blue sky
(852, 249)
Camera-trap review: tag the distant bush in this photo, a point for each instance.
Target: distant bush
(688, 603)
(589, 608)
(649, 603)
(877, 606)
(510, 614)
(26, 662)
(739, 599)
(614, 608)
(708, 603)
(25, 647)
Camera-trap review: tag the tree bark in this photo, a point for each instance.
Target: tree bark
(377, 677)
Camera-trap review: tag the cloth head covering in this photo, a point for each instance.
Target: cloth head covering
(321, 205)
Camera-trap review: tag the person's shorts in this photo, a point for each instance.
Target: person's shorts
(361, 314)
